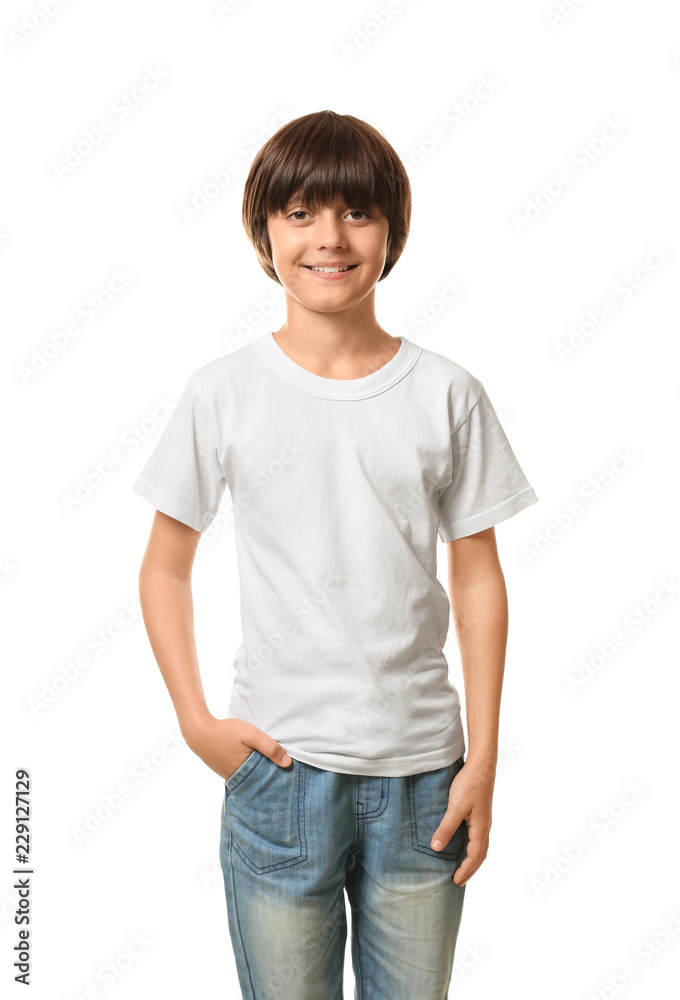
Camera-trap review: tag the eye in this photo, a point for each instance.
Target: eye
(298, 212)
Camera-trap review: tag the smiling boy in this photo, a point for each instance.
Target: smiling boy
(347, 452)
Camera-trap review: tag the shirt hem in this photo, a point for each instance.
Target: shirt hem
(388, 767)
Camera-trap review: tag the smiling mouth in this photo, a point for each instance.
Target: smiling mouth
(330, 270)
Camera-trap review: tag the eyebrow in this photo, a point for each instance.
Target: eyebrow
(301, 201)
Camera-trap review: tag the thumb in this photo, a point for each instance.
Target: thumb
(446, 829)
(270, 748)
(280, 757)
(250, 736)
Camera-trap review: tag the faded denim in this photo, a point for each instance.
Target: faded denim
(294, 839)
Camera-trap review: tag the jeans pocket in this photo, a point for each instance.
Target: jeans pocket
(242, 771)
(429, 800)
(265, 813)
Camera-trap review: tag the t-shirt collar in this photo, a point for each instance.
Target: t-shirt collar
(333, 388)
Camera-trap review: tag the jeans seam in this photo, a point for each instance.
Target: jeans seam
(238, 921)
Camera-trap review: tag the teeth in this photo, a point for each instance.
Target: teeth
(330, 270)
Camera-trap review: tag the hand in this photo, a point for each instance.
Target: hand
(225, 744)
(470, 798)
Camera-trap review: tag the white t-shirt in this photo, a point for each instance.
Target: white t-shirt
(339, 489)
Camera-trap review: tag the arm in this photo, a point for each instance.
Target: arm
(479, 608)
(168, 613)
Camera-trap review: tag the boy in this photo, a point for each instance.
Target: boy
(346, 451)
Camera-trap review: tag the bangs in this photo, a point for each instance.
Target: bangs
(318, 177)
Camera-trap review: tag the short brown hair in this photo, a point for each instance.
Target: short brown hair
(316, 158)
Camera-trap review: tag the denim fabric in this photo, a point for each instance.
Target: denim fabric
(294, 839)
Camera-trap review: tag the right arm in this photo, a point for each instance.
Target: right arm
(168, 612)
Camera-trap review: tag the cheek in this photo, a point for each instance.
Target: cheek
(375, 249)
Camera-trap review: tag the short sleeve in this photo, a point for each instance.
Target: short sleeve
(488, 484)
(183, 476)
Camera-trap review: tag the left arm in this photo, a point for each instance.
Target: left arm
(479, 607)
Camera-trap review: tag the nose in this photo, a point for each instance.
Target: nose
(329, 228)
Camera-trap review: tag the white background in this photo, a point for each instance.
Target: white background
(534, 921)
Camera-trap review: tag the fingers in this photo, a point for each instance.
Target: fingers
(476, 848)
(468, 865)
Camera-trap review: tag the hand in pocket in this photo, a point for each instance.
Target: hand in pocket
(225, 744)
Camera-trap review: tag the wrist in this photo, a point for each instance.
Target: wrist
(483, 758)
(192, 723)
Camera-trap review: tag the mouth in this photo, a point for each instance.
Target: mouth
(331, 270)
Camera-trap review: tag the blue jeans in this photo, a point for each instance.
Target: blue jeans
(294, 839)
